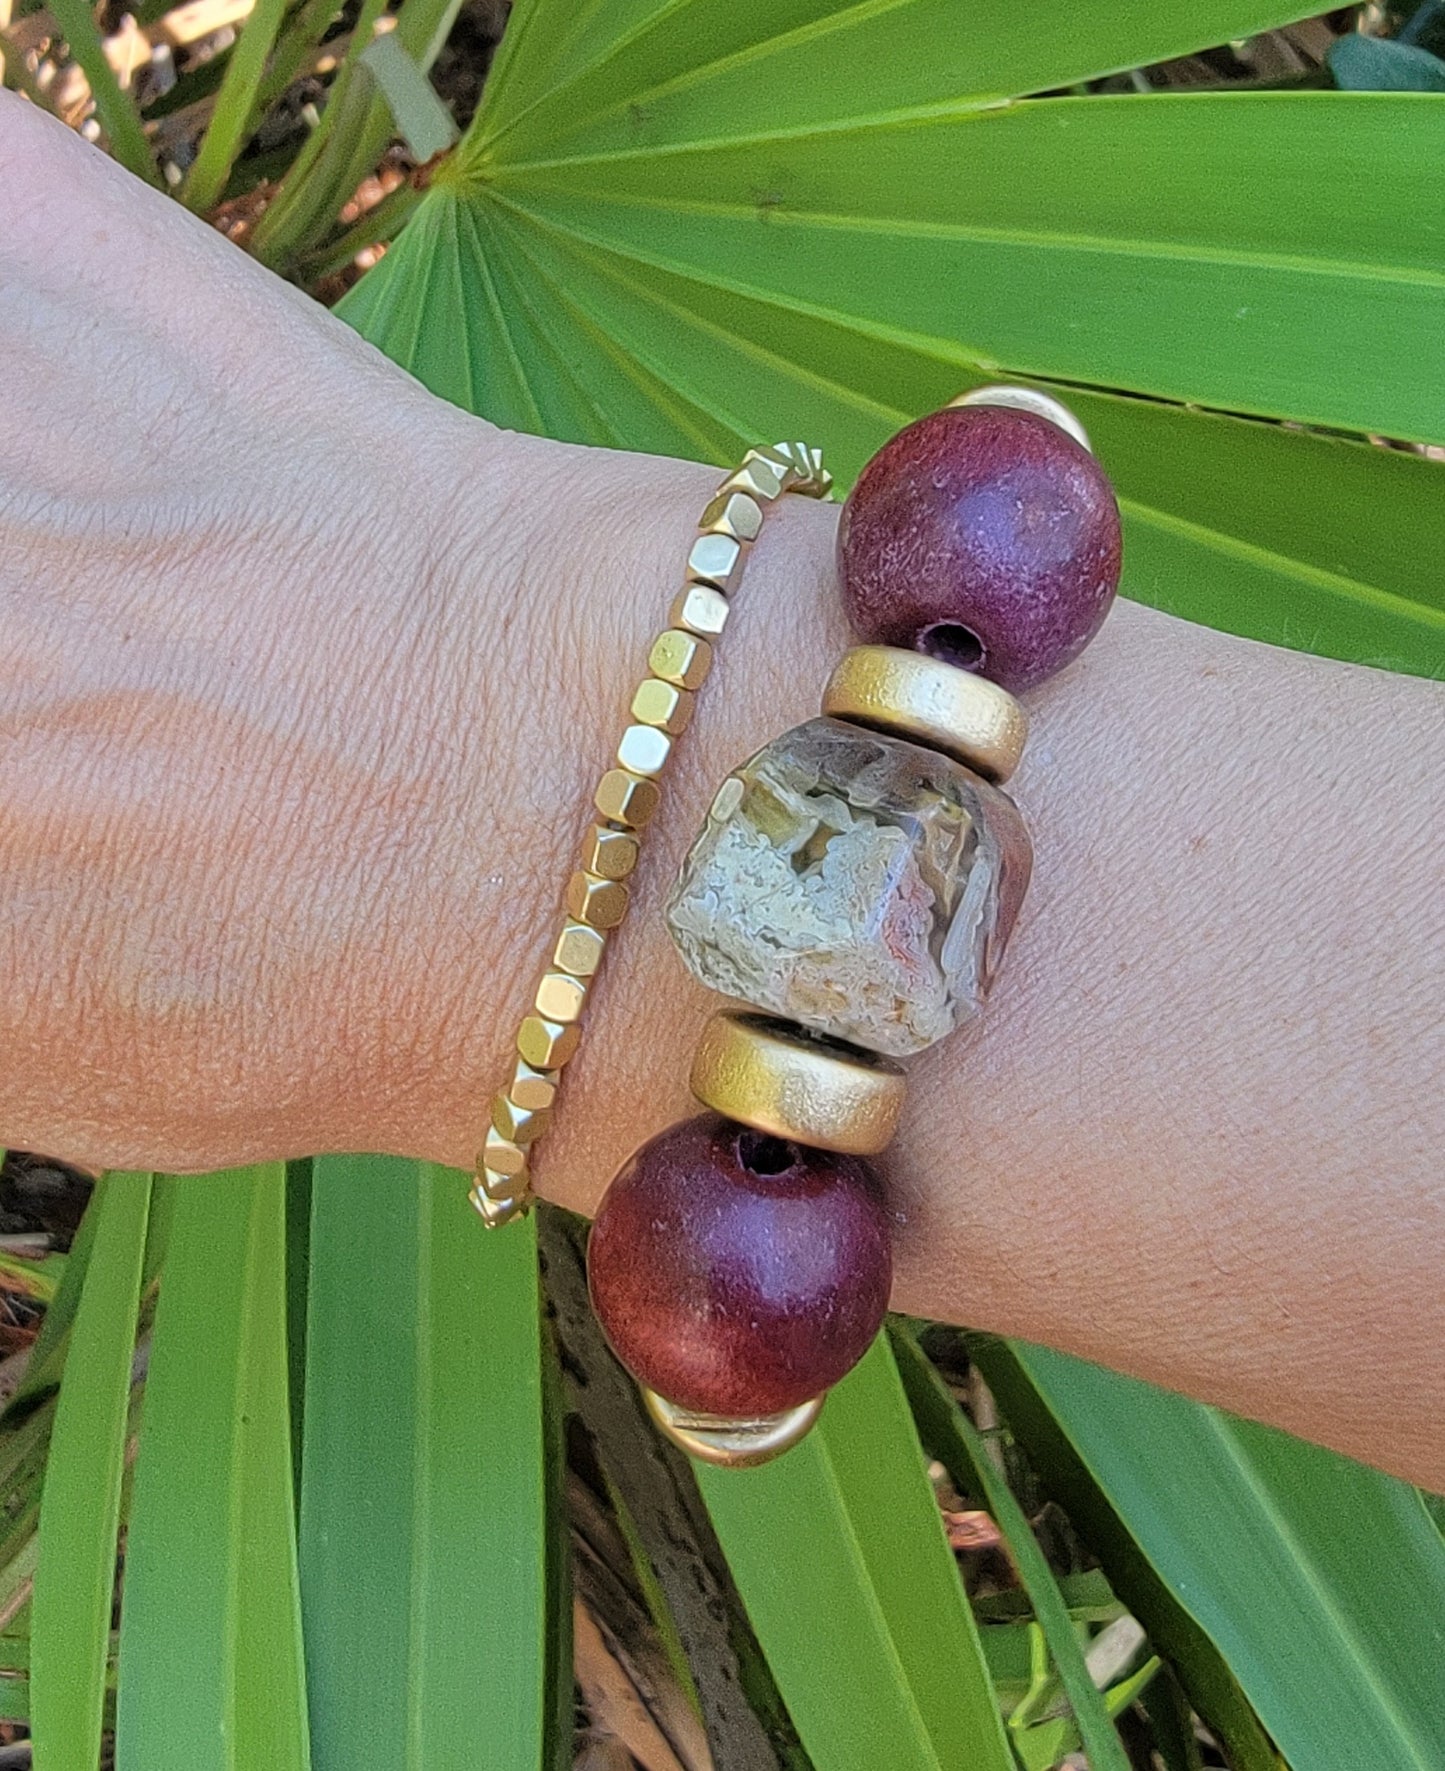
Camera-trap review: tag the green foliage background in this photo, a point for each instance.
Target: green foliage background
(685, 226)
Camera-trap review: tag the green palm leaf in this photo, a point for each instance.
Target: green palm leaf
(951, 1436)
(428, 1571)
(210, 1645)
(80, 1508)
(1216, 248)
(1321, 1582)
(783, 65)
(839, 1553)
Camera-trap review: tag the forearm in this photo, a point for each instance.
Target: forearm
(1196, 1133)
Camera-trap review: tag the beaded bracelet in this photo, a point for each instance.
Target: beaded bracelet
(854, 884)
(597, 894)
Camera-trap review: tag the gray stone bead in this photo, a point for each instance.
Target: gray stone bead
(856, 883)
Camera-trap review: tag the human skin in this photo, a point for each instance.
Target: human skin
(306, 680)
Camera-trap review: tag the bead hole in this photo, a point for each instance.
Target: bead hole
(760, 1154)
(950, 642)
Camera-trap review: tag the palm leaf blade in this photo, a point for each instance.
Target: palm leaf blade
(210, 1650)
(80, 1507)
(425, 1554)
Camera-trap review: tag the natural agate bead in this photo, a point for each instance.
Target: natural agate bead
(737, 1274)
(985, 536)
(854, 882)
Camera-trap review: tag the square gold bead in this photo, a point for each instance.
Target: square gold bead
(534, 1090)
(547, 1045)
(679, 658)
(579, 950)
(794, 461)
(612, 853)
(757, 477)
(600, 903)
(497, 1187)
(717, 560)
(560, 997)
(521, 1124)
(502, 1156)
(732, 513)
(501, 1210)
(644, 750)
(700, 609)
(663, 705)
(628, 799)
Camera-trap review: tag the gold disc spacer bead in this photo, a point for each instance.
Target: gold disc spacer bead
(795, 1085)
(918, 697)
(732, 1444)
(1028, 399)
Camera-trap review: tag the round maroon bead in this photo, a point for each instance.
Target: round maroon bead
(985, 536)
(738, 1274)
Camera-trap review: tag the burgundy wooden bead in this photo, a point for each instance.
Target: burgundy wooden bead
(985, 536)
(738, 1274)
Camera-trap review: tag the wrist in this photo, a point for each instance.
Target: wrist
(547, 626)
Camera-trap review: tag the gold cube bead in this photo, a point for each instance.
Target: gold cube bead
(579, 949)
(777, 456)
(612, 853)
(805, 470)
(502, 1156)
(758, 477)
(496, 1212)
(679, 658)
(600, 903)
(534, 1090)
(772, 1076)
(628, 799)
(497, 1186)
(561, 997)
(547, 1045)
(522, 1125)
(644, 750)
(733, 513)
(920, 698)
(700, 609)
(663, 705)
(716, 560)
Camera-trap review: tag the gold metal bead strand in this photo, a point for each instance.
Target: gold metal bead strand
(918, 697)
(626, 800)
(795, 1085)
